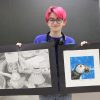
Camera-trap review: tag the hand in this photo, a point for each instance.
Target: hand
(18, 44)
(83, 43)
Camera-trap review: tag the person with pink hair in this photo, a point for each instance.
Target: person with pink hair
(56, 19)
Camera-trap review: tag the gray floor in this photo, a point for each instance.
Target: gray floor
(86, 96)
(77, 96)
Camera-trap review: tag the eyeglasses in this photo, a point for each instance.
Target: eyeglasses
(58, 21)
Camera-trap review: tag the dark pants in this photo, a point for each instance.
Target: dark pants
(56, 97)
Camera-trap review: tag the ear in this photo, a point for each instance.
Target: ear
(47, 23)
(64, 23)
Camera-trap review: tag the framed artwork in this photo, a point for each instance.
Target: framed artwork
(29, 70)
(79, 68)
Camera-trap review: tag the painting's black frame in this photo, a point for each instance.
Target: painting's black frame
(79, 89)
(33, 91)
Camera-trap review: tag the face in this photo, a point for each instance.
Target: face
(55, 24)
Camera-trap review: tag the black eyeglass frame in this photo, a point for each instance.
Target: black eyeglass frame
(58, 20)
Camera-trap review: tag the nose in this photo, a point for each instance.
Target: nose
(55, 22)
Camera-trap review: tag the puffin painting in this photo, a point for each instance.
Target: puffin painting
(78, 71)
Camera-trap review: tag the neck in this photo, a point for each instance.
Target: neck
(55, 34)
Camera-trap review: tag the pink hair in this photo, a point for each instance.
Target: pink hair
(59, 11)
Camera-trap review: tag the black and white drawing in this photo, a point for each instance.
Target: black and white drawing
(30, 68)
(25, 69)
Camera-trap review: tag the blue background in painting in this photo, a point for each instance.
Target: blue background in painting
(85, 60)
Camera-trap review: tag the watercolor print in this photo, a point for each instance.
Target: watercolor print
(81, 67)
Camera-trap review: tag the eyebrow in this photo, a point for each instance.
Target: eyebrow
(51, 18)
(54, 18)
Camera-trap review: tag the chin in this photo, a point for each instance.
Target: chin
(55, 30)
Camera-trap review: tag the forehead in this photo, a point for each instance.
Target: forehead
(53, 15)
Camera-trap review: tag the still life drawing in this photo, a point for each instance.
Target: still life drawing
(25, 69)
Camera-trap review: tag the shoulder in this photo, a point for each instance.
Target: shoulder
(69, 40)
(40, 38)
